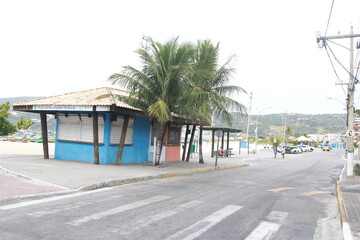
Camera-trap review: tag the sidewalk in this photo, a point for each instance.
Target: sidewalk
(38, 175)
(350, 191)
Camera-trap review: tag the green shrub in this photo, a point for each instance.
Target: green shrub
(357, 169)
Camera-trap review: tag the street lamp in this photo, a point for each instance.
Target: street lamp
(338, 101)
(256, 127)
(248, 123)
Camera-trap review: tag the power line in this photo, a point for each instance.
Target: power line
(332, 4)
(333, 67)
(338, 61)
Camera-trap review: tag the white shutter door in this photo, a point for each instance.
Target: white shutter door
(116, 129)
(86, 129)
(69, 127)
(129, 132)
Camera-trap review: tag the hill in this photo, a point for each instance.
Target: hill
(271, 125)
(268, 125)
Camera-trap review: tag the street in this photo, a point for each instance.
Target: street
(291, 198)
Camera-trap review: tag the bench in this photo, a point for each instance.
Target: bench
(229, 152)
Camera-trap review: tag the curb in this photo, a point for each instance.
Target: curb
(112, 182)
(159, 176)
(344, 223)
(31, 179)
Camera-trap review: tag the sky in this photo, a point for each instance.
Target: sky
(54, 47)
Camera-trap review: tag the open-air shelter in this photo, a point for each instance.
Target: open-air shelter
(224, 131)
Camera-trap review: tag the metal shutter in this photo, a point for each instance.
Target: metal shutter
(87, 128)
(116, 129)
(69, 127)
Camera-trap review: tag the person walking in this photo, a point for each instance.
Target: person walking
(221, 152)
(275, 151)
(283, 153)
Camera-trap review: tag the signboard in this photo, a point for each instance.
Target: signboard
(219, 133)
(70, 108)
(244, 144)
(350, 133)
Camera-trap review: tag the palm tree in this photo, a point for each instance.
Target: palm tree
(159, 86)
(210, 95)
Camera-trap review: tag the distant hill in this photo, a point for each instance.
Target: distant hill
(271, 125)
(16, 99)
(16, 116)
(268, 125)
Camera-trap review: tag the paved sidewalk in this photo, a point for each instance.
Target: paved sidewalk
(350, 190)
(60, 176)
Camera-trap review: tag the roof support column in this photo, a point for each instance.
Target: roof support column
(185, 142)
(191, 142)
(43, 119)
(228, 139)
(212, 142)
(122, 140)
(96, 136)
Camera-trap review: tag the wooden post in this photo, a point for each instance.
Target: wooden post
(227, 143)
(222, 140)
(190, 143)
(44, 131)
(185, 143)
(212, 142)
(96, 136)
(122, 140)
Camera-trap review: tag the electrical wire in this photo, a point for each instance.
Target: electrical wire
(338, 61)
(332, 4)
(333, 67)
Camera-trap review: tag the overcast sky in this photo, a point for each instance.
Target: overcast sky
(54, 47)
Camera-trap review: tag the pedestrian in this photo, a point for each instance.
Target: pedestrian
(283, 153)
(275, 151)
(221, 152)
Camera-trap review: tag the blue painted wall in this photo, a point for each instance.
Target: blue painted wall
(135, 153)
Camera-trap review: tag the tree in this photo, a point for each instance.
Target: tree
(6, 127)
(158, 87)
(209, 93)
(24, 124)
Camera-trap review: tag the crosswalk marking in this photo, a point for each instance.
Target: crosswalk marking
(158, 217)
(266, 229)
(205, 224)
(117, 210)
(277, 217)
(34, 202)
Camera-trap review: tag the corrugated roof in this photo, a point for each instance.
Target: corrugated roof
(82, 98)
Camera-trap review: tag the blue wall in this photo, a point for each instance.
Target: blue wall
(135, 153)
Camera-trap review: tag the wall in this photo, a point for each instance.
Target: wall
(135, 153)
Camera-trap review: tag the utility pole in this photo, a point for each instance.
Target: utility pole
(350, 100)
(248, 124)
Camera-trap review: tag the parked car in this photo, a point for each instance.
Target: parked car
(304, 148)
(326, 148)
(293, 150)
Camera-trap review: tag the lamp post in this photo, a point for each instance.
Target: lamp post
(256, 127)
(248, 123)
(331, 98)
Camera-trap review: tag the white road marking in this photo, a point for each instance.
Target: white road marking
(205, 224)
(34, 202)
(277, 217)
(117, 210)
(68, 207)
(158, 217)
(266, 229)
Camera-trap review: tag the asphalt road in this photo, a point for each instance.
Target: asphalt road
(291, 198)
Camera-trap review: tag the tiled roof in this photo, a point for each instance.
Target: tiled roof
(82, 98)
